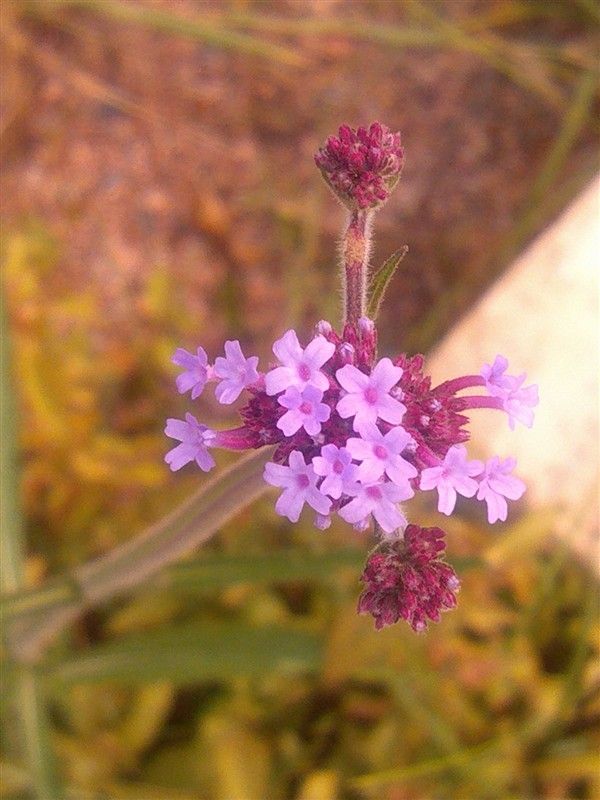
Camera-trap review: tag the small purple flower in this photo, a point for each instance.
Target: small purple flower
(368, 396)
(195, 440)
(496, 484)
(300, 367)
(517, 400)
(196, 371)
(378, 499)
(454, 475)
(305, 410)
(299, 483)
(336, 467)
(381, 453)
(236, 373)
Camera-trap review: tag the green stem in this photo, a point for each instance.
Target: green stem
(134, 562)
(29, 701)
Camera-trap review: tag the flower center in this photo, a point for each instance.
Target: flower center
(374, 492)
(371, 395)
(304, 371)
(380, 451)
(302, 481)
(338, 467)
(306, 407)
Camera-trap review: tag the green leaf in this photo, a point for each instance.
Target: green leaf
(218, 571)
(380, 281)
(194, 652)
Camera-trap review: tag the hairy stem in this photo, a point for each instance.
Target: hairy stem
(356, 246)
(134, 562)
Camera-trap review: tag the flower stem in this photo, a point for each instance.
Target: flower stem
(356, 246)
(136, 561)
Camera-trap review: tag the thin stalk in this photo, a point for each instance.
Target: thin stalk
(134, 562)
(356, 246)
(28, 701)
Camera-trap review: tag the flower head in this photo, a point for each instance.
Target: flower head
(195, 372)
(235, 371)
(454, 475)
(195, 440)
(405, 579)
(496, 484)
(299, 483)
(368, 397)
(362, 165)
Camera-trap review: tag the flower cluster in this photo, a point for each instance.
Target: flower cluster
(355, 435)
(362, 166)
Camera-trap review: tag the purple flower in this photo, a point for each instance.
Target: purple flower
(381, 453)
(300, 367)
(454, 474)
(299, 483)
(305, 410)
(236, 372)
(496, 484)
(336, 467)
(195, 440)
(196, 371)
(368, 396)
(378, 499)
(405, 579)
(517, 400)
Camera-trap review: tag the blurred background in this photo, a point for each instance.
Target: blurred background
(159, 191)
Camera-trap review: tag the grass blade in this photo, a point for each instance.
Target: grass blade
(194, 652)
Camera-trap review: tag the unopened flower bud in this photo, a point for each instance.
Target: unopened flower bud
(362, 165)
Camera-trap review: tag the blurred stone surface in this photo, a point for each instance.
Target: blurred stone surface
(543, 316)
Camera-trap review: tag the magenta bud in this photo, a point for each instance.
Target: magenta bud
(361, 166)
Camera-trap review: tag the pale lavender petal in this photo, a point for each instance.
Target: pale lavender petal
(204, 460)
(359, 448)
(177, 429)
(233, 351)
(181, 455)
(371, 470)
(287, 349)
(318, 501)
(318, 352)
(390, 409)
(511, 487)
(291, 422)
(385, 375)
(355, 511)
(348, 405)
(400, 471)
(388, 516)
(277, 474)
(227, 392)
(352, 379)
(446, 498)
(290, 504)
(332, 485)
(430, 477)
(279, 379)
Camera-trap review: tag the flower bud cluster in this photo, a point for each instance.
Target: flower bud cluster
(362, 165)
